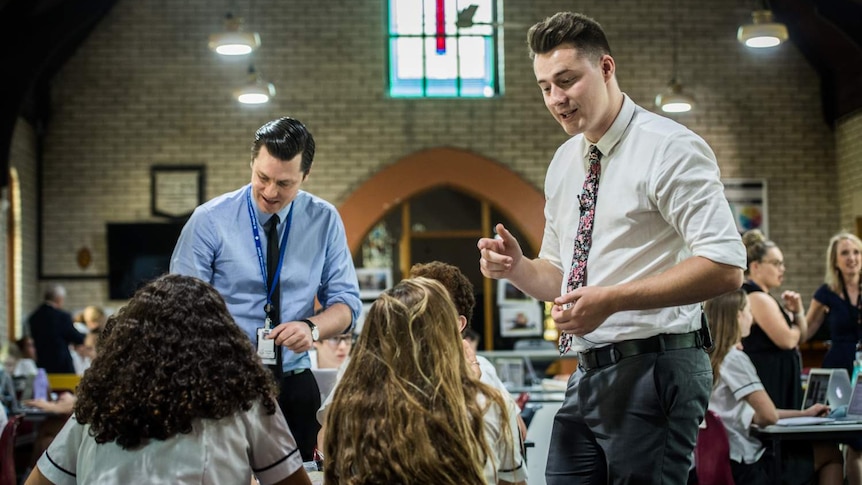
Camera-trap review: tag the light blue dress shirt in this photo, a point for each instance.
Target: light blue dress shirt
(217, 246)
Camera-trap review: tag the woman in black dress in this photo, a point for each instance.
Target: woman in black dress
(778, 329)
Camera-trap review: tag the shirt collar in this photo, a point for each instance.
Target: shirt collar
(611, 137)
(263, 217)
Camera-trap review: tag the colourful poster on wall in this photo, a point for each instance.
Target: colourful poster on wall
(748, 203)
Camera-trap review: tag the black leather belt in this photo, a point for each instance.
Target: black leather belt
(596, 358)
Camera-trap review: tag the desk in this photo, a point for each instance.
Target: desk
(815, 432)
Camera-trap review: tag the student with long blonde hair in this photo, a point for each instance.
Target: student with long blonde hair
(408, 409)
(739, 398)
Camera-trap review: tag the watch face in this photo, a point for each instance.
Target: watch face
(315, 334)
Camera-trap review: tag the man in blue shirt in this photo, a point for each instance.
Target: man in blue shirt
(226, 243)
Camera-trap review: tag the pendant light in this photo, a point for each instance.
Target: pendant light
(256, 90)
(233, 41)
(762, 31)
(673, 99)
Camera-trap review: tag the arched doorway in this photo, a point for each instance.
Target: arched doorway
(491, 191)
(466, 171)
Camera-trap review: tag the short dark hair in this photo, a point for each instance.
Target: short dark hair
(459, 287)
(171, 356)
(582, 32)
(285, 138)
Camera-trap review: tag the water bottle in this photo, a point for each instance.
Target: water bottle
(40, 385)
(857, 368)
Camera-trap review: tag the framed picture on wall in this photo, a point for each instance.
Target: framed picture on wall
(521, 320)
(508, 293)
(176, 190)
(372, 281)
(747, 199)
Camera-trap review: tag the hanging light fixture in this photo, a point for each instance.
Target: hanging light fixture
(762, 31)
(673, 99)
(256, 91)
(233, 41)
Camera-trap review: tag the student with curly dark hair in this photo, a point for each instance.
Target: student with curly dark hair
(175, 395)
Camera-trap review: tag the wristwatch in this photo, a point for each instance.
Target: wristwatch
(315, 333)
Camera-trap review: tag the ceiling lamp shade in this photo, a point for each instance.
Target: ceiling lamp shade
(762, 31)
(674, 100)
(256, 91)
(233, 41)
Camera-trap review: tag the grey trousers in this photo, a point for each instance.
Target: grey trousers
(634, 422)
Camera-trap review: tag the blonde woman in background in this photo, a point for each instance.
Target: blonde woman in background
(88, 322)
(838, 303)
(409, 410)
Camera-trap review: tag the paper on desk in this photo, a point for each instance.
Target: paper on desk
(804, 420)
(554, 385)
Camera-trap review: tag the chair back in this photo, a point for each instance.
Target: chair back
(63, 382)
(712, 453)
(7, 451)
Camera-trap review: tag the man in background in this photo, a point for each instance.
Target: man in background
(53, 331)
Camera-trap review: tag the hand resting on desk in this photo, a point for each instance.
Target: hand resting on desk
(63, 405)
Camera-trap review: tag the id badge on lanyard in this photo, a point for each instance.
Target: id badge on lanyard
(266, 346)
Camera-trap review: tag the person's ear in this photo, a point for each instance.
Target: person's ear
(462, 323)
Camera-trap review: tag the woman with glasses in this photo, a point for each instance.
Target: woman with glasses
(331, 352)
(777, 331)
(778, 328)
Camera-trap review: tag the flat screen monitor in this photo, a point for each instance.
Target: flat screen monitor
(138, 253)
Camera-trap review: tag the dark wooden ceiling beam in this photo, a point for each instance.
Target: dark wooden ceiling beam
(820, 33)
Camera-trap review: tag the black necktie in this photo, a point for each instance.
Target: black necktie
(271, 267)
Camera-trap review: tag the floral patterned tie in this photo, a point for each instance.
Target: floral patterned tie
(584, 238)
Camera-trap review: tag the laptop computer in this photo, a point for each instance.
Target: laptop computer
(10, 398)
(827, 386)
(852, 413)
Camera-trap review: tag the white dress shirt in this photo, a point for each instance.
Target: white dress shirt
(660, 201)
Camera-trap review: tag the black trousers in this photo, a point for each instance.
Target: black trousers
(299, 400)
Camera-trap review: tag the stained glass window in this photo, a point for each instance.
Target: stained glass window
(443, 48)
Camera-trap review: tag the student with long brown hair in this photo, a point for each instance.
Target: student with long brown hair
(740, 400)
(408, 409)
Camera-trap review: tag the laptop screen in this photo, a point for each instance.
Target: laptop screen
(855, 407)
(818, 386)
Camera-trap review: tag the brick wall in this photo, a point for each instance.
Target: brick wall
(144, 90)
(848, 140)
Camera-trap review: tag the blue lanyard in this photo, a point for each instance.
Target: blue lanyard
(259, 249)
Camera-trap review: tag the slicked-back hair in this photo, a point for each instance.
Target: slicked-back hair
(408, 387)
(575, 29)
(284, 139)
(172, 355)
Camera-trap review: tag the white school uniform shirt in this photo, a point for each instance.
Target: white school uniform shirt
(660, 201)
(737, 379)
(217, 452)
